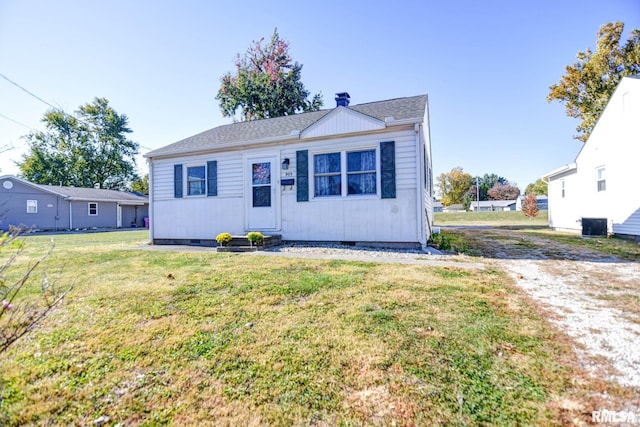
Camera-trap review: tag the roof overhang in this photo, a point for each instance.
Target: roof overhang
(32, 185)
(561, 170)
(276, 140)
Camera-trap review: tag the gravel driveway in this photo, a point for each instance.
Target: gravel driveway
(592, 296)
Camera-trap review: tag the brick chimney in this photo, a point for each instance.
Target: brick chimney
(342, 98)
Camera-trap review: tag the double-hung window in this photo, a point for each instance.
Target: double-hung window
(601, 179)
(327, 175)
(358, 169)
(361, 172)
(32, 206)
(93, 209)
(196, 181)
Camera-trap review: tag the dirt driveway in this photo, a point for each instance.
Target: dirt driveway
(592, 296)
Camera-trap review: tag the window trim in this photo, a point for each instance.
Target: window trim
(32, 204)
(339, 173)
(370, 171)
(601, 182)
(203, 182)
(344, 190)
(89, 208)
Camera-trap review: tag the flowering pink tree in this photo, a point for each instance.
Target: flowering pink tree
(22, 310)
(265, 84)
(503, 191)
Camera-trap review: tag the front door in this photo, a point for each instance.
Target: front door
(262, 200)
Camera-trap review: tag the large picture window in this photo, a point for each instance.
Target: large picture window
(327, 174)
(356, 169)
(361, 172)
(196, 181)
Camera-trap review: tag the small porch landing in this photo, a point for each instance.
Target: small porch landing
(242, 244)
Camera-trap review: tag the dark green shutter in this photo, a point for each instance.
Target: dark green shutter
(388, 169)
(302, 175)
(177, 181)
(212, 178)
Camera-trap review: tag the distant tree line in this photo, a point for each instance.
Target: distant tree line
(459, 187)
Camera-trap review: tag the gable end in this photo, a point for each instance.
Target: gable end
(340, 121)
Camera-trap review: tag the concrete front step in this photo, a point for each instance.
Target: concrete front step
(237, 248)
(241, 244)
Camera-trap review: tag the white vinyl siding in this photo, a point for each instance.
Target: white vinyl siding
(361, 218)
(601, 180)
(229, 174)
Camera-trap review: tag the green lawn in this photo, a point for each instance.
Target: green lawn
(450, 240)
(176, 338)
(497, 218)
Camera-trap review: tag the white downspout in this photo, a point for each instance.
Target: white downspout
(70, 215)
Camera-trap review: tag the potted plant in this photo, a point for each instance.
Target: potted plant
(223, 239)
(255, 238)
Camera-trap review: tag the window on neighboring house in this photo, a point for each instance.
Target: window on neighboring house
(361, 172)
(196, 181)
(562, 187)
(93, 209)
(32, 206)
(327, 175)
(602, 182)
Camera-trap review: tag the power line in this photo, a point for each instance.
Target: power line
(30, 93)
(45, 102)
(17, 122)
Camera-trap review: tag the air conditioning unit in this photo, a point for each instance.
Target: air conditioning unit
(594, 227)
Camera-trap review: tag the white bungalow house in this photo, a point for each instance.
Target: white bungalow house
(354, 173)
(599, 189)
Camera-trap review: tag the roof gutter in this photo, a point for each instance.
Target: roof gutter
(122, 202)
(560, 170)
(271, 139)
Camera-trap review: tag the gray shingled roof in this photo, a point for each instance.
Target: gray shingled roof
(95, 194)
(242, 132)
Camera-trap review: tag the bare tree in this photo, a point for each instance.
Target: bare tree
(21, 311)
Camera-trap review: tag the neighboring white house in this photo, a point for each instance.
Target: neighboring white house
(602, 183)
(359, 173)
(493, 205)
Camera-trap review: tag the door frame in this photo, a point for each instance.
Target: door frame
(276, 201)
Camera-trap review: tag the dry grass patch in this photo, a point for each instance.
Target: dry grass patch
(169, 338)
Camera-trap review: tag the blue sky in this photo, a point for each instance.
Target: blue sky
(486, 66)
